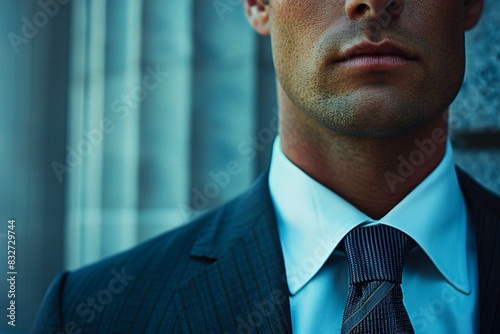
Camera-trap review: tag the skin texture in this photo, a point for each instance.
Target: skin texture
(347, 126)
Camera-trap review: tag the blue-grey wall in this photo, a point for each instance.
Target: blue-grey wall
(33, 87)
(475, 117)
(220, 93)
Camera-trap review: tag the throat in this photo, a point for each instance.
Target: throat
(374, 175)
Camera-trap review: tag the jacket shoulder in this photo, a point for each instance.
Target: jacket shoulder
(134, 291)
(477, 196)
(121, 292)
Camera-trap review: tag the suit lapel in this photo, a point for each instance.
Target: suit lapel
(245, 289)
(485, 214)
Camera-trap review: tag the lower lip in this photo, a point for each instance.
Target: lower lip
(376, 62)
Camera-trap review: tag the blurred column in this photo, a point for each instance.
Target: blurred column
(225, 148)
(124, 91)
(33, 102)
(475, 114)
(165, 115)
(86, 128)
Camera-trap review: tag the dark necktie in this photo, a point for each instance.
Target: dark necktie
(376, 255)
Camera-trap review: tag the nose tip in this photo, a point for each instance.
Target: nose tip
(362, 9)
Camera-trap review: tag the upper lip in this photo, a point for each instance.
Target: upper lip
(370, 49)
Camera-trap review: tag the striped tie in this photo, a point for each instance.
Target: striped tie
(376, 255)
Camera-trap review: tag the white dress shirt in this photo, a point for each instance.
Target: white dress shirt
(440, 285)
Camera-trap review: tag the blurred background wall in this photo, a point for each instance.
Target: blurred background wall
(122, 119)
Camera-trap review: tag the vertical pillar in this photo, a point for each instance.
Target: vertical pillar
(165, 115)
(224, 94)
(124, 92)
(86, 114)
(33, 126)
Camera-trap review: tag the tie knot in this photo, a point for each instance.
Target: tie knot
(377, 253)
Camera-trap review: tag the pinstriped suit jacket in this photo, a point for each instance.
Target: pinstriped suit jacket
(223, 273)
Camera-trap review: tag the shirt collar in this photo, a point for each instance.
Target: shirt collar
(312, 220)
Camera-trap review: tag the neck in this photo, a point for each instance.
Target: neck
(373, 174)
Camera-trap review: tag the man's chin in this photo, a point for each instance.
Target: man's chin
(374, 118)
(373, 131)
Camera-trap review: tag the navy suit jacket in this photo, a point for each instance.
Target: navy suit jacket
(222, 273)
